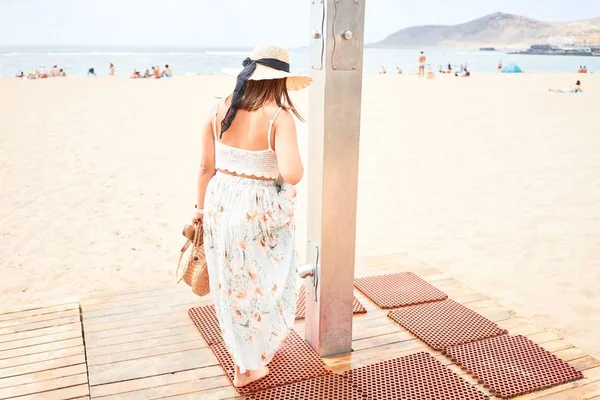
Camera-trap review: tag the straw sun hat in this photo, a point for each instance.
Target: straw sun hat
(272, 62)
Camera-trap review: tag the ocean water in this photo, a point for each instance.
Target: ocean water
(203, 61)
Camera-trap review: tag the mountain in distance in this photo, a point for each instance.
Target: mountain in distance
(497, 30)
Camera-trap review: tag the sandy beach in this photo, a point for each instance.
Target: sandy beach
(492, 179)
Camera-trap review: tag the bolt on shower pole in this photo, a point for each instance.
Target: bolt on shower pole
(336, 61)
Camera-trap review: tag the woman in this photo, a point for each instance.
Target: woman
(576, 89)
(249, 164)
(111, 69)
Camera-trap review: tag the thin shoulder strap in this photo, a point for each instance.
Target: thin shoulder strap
(271, 126)
(215, 120)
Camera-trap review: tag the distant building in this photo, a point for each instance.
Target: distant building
(593, 39)
(561, 40)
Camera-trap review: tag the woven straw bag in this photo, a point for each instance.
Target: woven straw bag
(195, 273)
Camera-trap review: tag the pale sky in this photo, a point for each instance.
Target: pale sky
(234, 23)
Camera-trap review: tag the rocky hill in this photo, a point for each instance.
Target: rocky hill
(496, 30)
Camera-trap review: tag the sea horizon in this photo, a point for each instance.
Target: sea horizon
(212, 60)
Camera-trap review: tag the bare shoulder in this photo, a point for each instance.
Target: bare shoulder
(220, 106)
(285, 119)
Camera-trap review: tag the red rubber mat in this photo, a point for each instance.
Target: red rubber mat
(206, 321)
(330, 387)
(398, 290)
(445, 323)
(415, 377)
(294, 362)
(510, 366)
(357, 307)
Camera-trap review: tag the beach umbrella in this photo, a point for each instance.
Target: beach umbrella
(512, 68)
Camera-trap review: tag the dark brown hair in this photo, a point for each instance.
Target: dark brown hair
(260, 92)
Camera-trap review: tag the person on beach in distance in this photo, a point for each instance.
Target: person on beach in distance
(111, 69)
(399, 70)
(246, 199)
(156, 72)
(576, 89)
(42, 72)
(91, 72)
(500, 66)
(167, 72)
(54, 72)
(430, 74)
(422, 60)
(383, 70)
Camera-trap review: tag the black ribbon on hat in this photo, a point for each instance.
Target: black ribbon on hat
(242, 81)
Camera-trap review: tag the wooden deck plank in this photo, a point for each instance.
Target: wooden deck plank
(194, 387)
(581, 392)
(98, 337)
(39, 318)
(381, 340)
(41, 357)
(586, 362)
(40, 340)
(148, 334)
(363, 328)
(43, 376)
(571, 353)
(155, 381)
(41, 348)
(360, 333)
(39, 325)
(195, 344)
(166, 315)
(587, 391)
(39, 333)
(222, 393)
(555, 346)
(37, 311)
(69, 393)
(144, 310)
(145, 367)
(43, 386)
(144, 344)
(42, 366)
(155, 288)
(591, 375)
(183, 296)
(126, 297)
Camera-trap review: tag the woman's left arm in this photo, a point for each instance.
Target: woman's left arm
(207, 166)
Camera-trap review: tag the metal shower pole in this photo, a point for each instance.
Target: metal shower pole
(336, 59)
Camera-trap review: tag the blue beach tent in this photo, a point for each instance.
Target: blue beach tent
(511, 68)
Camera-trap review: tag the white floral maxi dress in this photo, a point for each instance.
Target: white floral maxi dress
(250, 245)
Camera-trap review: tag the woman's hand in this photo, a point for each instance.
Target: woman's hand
(197, 219)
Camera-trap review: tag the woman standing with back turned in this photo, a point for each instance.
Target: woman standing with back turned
(249, 164)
